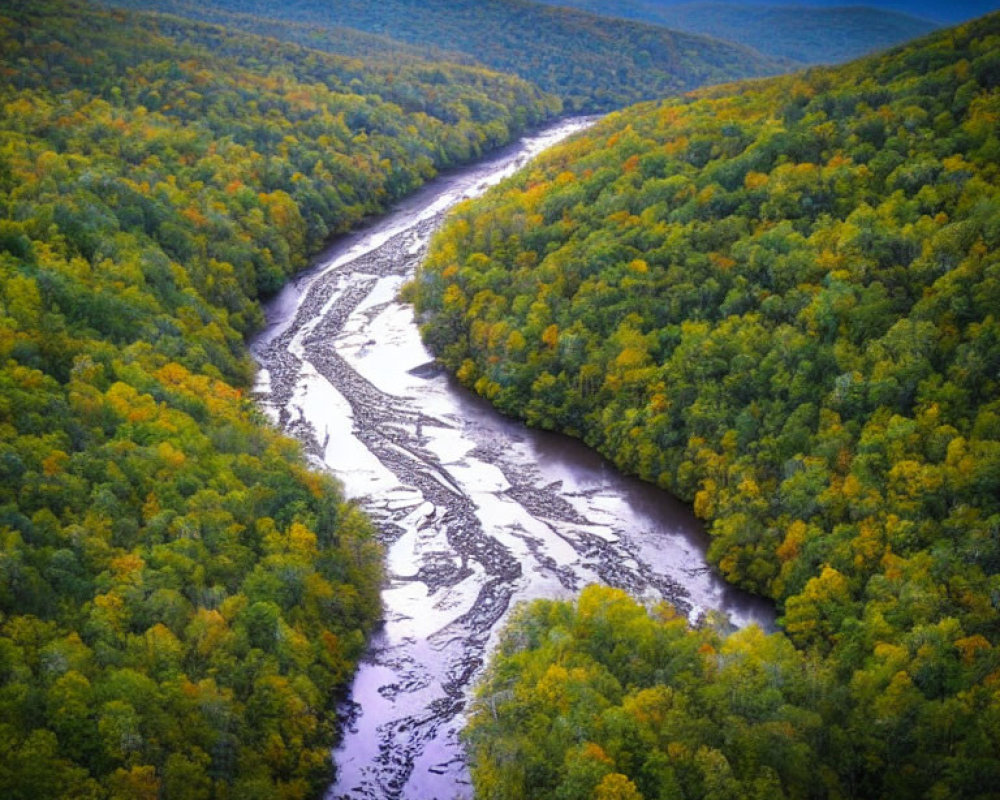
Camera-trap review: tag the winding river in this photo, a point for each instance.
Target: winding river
(476, 512)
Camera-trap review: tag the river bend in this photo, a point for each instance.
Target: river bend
(476, 512)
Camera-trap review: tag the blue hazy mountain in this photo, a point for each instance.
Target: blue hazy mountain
(806, 34)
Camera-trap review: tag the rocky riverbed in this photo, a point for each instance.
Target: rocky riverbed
(476, 512)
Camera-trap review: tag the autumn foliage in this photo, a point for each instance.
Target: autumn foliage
(779, 301)
(181, 600)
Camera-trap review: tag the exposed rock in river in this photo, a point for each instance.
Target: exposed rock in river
(476, 512)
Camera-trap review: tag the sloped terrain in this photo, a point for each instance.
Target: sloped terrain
(778, 300)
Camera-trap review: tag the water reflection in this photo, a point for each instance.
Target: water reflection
(665, 529)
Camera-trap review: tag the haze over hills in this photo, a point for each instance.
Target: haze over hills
(591, 62)
(779, 301)
(936, 10)
(810, 35)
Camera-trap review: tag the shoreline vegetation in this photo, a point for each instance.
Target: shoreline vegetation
(777, 300)
(182, 600)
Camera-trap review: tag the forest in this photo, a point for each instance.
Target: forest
(778, 300)
(182, 601)
(953, 12)
(803, 34)
(592, 63)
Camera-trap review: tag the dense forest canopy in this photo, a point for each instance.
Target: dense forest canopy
(592, 63)
(779, 300)
(602, 699)
(181, 600)
(375, 49)
(809, 35)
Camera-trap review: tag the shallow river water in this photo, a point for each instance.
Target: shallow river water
(477, 513)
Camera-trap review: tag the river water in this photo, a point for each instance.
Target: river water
(477, 513)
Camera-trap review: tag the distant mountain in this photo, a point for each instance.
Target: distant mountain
(591, 62)
(937, 10)
(810, 35)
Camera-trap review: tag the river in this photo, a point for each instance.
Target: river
(477, 513)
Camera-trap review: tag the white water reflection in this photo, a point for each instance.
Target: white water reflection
(479, 513)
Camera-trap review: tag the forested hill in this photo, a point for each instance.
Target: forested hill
(373, 48)
(806, 34)
(181, 600)
(952, 12)
(779, 301)
(592, 63)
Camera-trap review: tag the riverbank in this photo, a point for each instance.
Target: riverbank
(476, 512)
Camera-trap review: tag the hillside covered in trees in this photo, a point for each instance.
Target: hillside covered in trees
(779, 301)
(592, 63)
(181, 600)
(950, 12)
(806, 34)
(373, 48)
